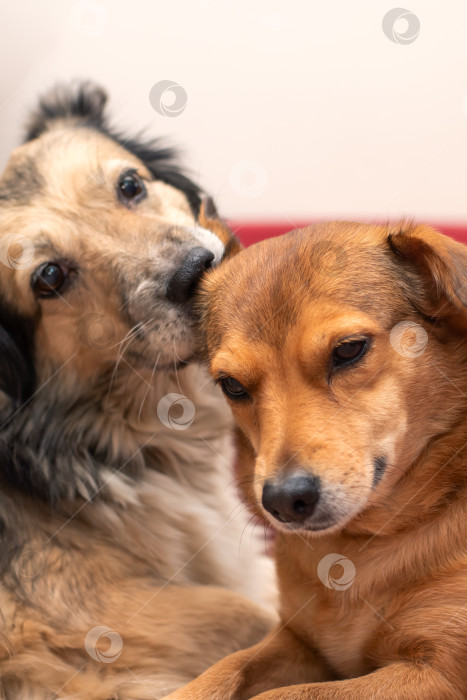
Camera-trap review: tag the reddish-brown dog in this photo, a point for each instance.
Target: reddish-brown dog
(342, 349)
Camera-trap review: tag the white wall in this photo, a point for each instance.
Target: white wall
(340, 120)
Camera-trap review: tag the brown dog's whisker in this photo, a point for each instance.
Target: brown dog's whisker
(176, 361)
(148, 388)
(123, 345)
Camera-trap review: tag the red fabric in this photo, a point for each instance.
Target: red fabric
(250, 233)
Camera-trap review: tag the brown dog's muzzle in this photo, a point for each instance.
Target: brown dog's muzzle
(292, 499)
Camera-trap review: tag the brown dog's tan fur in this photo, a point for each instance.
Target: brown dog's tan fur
(121, 564)
(273, 316)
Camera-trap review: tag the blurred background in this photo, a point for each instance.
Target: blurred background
(285, 111)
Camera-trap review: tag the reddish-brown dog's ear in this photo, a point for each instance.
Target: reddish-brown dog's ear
(210, 219)
(438, 264)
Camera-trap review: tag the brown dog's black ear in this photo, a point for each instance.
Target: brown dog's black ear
(83, 102)
(437, 266)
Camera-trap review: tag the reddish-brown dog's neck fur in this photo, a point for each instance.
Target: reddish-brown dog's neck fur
(397, 631)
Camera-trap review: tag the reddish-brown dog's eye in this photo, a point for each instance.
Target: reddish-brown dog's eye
(49, 279)
(233, 389)
(348, 352)
(131, 187)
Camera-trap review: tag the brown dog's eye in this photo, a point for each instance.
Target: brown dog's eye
(233, 389)
(348, 352)
(49, 279)
(131, 188)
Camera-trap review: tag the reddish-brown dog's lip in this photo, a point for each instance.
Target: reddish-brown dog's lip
(291, 527)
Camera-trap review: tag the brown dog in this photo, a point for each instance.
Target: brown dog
(342, 351)
(121, 564)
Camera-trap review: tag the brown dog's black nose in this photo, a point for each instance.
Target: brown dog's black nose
(185, 280)
(293, 499)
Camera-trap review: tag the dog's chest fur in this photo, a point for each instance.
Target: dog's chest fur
(341, 612)
(160, 499)
(335, 623)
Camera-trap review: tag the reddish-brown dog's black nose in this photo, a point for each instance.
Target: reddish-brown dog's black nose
(185, 280)
(293, 499)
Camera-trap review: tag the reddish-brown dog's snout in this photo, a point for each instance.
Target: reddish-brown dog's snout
(292, 500)
(183, 283)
